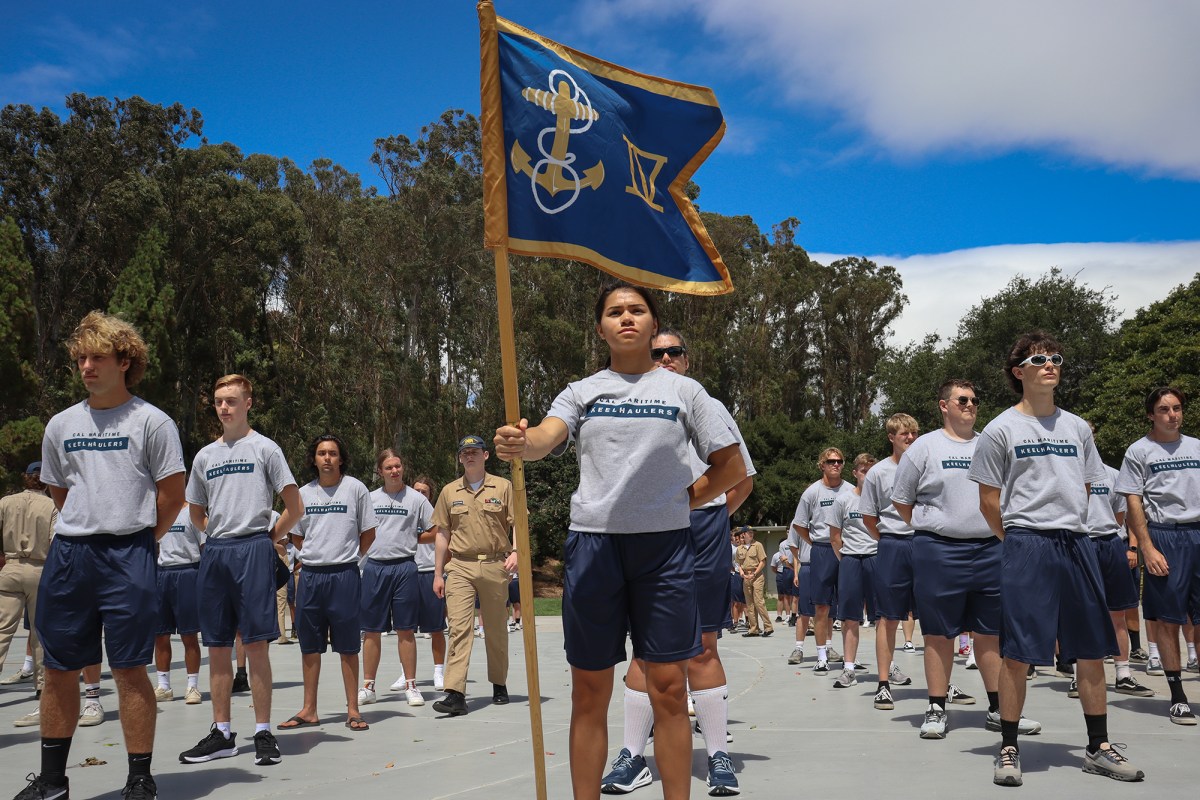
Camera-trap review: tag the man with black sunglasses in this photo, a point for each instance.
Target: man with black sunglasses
(1034, 465)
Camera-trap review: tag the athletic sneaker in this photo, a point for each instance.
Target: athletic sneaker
(92, 712)
(628, 772)
(211, 747)
(971, 661)
(834, 655)
(959, 697)
(778, 618)
(20, 676)
(1007, 767)
(837, 625)
(934, 726)
(140, 787)
(691, 706)
(883, 699)
(908, 647)
(1181, 714)
(1154, 666)
(1192, 665)
(1065, 669)
(1108, 762)
(162, 695)
(439, 681)
(240, 683)
(192, 696)
(721, 780)
(696, 730)
(366, 696)
(266, 749)
(845, 680)
(1030, 672)
(965, 650)
(30, 720)
(38, 790)
(400, 685)
(1073, 688)
(1131, 686)
(415, 698)
(821, 668)
(898, 678)
(1025, 727)
(860, 667)
(1139, 656)
(797, 656)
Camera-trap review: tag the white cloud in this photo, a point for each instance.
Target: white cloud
(941, 287)
(1105, 81)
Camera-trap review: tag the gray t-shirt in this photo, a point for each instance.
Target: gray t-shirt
(700, 466)
(1166, 475)
(236, 484)
(876, 499)
(1104, 504)
(933, 477)
(110, 461)
(426, 557)
(634, 435)
(181, 543)
(333, 520)
(814, 509)
(1042, 466)
(846, 514)
(403, 517)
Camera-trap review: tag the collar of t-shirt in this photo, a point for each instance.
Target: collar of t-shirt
(475, 487)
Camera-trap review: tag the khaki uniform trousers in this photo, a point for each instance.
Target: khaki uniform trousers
(756, 604)
(463, 580)
(18, 593)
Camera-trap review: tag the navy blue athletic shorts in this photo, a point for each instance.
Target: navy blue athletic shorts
(327, 606)
(804, 603)
(431, 618)
(178, 604)
(1175, 596)
(785, 582)
(894, 577)
(737, 589)
(291, 588)
(710, 540)
(236, 590)
(824, 574)
(856, 588)
(1052, 590)
(643, 583)
(96, 584)
(1120, 589)
(514, 592)
(957, 584)
(390, 595)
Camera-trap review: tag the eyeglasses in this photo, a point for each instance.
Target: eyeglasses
(674, 351)
(964, 400)
(1040, 359)
(834, 461)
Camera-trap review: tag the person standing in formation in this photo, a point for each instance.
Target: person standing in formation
(26, 525)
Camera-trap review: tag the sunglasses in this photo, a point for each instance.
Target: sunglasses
(833, 461)
(964, 400)
(1040, 359)
(674, 351)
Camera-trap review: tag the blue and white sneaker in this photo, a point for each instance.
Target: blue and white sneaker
(721, 780)
(628, 772)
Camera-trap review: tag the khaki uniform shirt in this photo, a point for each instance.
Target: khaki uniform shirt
(479, 523)
(26, 524)
(750, 556)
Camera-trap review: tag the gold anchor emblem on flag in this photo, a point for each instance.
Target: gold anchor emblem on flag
(554, 172)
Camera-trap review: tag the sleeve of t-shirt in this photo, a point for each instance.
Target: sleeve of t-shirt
(776, 561)
(1132, 477)
(278, 471)
(707, 430)
(989, 462)
(301, 527)
(803, 516)
(366, 510)
(869, 502)
(53, 473)
(163, 450)
(197, 487)
(838, 518)
(424, 515)
(733, 426)
(1093, 467)
(569, 408)
(1119, 504)
(441, 511)
(904, 483)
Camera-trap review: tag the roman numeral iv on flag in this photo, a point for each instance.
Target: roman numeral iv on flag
(587, 160)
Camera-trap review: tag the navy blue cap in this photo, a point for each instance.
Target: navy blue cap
(470, 441)
(35, 466)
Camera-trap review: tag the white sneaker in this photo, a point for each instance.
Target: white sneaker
(192, 696)
(439, 681)
(691, 707)
(971, 660)
(415, 698)
(162, 695)
(30, 720)
(92, 713)
(399, 685)
(20, 676)
(366, 696)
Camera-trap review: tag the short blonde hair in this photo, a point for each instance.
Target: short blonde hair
(901, 423)
(825, 454)
(233, 379)
(105, 335)
(864, 460)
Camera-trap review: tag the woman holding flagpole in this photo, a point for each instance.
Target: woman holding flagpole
(629, 558)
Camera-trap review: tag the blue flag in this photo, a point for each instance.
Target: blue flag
(587, 160)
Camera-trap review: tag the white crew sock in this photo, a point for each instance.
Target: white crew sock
(1122, 668)
(27, 667)
(1191, 651)
(712, 713)
(822, 654)
(829, 642)
(91, 690)
(259, 727)
(438, 669)
(849, 665)
(224, 728)
(164, 680)
(1154, 649)
(193, 680)
(639, 719)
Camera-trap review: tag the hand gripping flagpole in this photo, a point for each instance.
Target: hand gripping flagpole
(496, 238)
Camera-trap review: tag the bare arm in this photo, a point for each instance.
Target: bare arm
(905, 511)
(1139, 531)
(725, 469)
(293, 510)
(835, 541)
(989, 506)
(365, 540)
(795, 565)
(872, 523)
(168, 503)
(428, 537)
(803, 532)
(199, 516)
(737, 495)
(59, 496)
(529, 444)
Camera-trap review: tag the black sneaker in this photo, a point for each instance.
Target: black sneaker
(211, 747)
(140, 787)
(240, 683)
(454, 704)
(40, 790)
(1065, 669)
(266, 749)
(499, 694)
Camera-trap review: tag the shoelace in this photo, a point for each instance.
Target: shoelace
(1183, 709)
(140, 786)
(1008, 757)
(724, 763)
(623, 762)
(1111, 753)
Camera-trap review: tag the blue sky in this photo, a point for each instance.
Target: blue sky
(934, 136)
